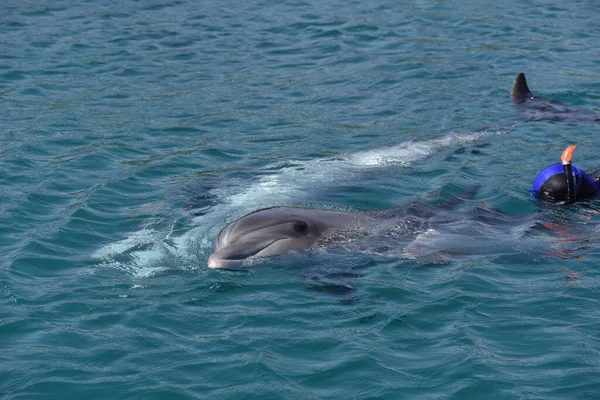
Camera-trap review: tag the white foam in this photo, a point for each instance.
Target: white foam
(134, 240)
(412, 151)
(143, 253)
(291, 183)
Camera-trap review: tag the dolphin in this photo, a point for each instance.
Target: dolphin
(434, 233)
(534, 108)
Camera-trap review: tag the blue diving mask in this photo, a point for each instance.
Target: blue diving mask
(564, 183)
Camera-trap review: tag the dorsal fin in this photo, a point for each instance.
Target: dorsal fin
(520, 91)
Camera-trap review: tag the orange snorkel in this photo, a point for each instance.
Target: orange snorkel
(565, 158)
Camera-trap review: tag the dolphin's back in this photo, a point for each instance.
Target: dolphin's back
(534, 108)
(520, 91)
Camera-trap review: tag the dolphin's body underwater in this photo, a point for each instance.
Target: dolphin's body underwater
(534, 108)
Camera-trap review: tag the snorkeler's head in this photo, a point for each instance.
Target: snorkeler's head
(564, 183)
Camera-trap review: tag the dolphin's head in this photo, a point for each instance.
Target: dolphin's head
(271, 232)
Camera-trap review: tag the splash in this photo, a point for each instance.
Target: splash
(146, 252)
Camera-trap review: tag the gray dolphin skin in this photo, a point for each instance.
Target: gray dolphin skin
(534, 108)
(280, 230)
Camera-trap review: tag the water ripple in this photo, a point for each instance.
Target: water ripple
(133, 132)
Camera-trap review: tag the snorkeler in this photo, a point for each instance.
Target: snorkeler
(564, 183)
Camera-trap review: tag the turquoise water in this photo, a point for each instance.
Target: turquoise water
(132, 132)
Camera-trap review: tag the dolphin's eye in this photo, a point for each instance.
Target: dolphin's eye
(301, 227)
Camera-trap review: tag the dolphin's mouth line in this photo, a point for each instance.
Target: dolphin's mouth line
(257, 252)
(241, 257)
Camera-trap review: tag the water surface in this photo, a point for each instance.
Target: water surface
(132, 132)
